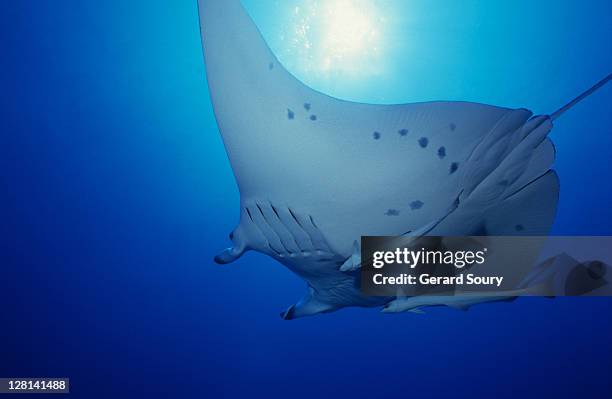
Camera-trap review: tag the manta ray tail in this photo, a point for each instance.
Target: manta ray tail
(513, 153)
(581, 97)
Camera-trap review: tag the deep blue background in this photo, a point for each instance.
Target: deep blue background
(116, 193)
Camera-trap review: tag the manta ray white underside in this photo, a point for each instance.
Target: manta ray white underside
(316, 173)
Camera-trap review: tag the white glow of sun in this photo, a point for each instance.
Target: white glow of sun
(337, 36)
(348, 29)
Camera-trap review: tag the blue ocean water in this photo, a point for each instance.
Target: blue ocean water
(117, 193)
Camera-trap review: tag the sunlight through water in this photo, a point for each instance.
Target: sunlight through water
(337, 37)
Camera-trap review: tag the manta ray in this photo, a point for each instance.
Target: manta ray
(316, 173)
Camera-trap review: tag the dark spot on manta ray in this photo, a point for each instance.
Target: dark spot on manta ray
(376, 135)
(403, 132)
(452, 126)
(290, 114)
(423, 141)
(414, 205)
(441, 152)
(271, 66)
(307, 106)
(519, 227)
(313, 117)
(453, 168)
(392, 212)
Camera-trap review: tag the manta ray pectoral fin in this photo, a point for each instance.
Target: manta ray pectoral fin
(416, 311)
(307, 306)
